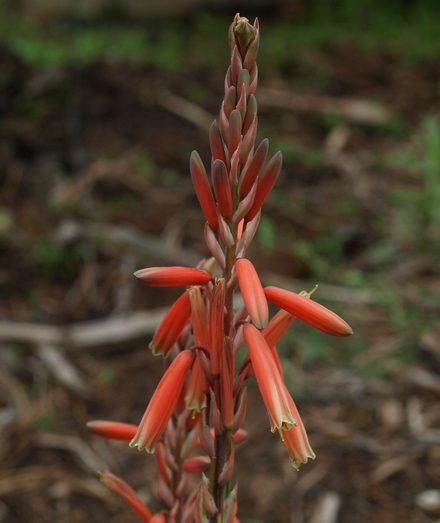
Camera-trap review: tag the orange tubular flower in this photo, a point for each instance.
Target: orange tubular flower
(309, 311)
(162, 403)
(128, 494)
(296, 440)
(277, 326)
(172, 276)
(171, 326)
(275, 395)
(252, 292)
(112, 429)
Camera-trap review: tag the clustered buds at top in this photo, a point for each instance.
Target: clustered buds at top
(172, 276)
(308, 311)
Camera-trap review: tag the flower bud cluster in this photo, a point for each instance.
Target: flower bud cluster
(200, 403)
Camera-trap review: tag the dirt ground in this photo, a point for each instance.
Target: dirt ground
(95, 184)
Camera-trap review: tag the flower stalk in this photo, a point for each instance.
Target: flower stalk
(200, 403)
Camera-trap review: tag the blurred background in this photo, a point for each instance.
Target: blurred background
(101, 104)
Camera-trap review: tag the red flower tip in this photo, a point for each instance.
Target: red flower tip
(252, 292)
(128, 494)
(308, 311)
(265, 184)
(197, 465)
(222, 189)
(275, 394)
(172, 276)
(162, 403)
(112, 429)
(171, 326)
(203, 190)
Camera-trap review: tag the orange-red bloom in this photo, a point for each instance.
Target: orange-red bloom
(171, 326)
(296, 440)
(203, 189)
(162, 403)
(112, 429)
(277, 326)
(309, 311)
(274, 392)
(172, 276)
(252, 292)
(128, 494)
(265, 184)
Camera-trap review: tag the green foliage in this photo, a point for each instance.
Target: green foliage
(55, 262)
(417, 217)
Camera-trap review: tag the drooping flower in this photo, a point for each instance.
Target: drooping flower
(162, 403)
(171, 326)
(172, 276)
(112, 429)
(296, 440)
(308, 311)
(252, 292)
(128, 494)
(274, 392)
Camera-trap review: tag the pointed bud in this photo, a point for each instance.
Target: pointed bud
(245, 205)
(308, 311)
(249, 141)
(252, 292)
(162, 403)
(247, 236)
(245, 34)
(253, 74)
(171, 326)
(252, 170)
(203, 190)
(214, 246)
(242, 85)
(222, 189)
(235, 123)
(172, 276)
(225, 233)
(270, 383)
(112, 429)
(242, 101)
(128, 494)
(266, 183)
(197, 465)
(230, 101)
(216, 143)
(251, 111)
(252, 50)
(236, 66)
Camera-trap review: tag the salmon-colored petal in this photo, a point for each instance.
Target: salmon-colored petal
(252, 292)
(172, 276)
(309, 311)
